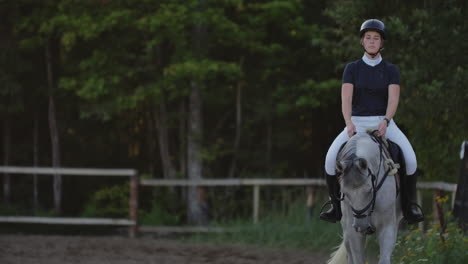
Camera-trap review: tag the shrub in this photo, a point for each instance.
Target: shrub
(108, 202)
(432, 246)
(159, 216)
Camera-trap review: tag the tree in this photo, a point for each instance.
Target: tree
(11, 90)
(36, 34)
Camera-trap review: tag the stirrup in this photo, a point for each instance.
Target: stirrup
(325, 204)
(414, 220)
(334, 218)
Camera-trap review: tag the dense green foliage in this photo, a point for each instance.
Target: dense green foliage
(432, 246)
(123, 67)
(108, 202)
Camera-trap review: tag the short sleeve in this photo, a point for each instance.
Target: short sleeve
(348, 73)
(394, 74)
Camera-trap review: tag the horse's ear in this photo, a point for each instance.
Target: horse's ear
(362, 164)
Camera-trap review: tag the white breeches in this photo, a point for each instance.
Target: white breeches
(362, 123)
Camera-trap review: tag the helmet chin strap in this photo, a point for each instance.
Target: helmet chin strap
(373, 55)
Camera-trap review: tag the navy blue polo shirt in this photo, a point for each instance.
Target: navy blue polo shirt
(370, 92)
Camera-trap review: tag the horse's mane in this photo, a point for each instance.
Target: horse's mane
(348, 152)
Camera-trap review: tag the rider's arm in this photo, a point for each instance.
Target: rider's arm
(393, 98)
(346, 101)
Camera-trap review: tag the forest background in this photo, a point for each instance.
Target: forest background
(212, 88)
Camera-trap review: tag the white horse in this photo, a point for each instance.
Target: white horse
(370, 201)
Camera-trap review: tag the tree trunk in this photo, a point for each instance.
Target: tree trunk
(54, 134)
(35, 162)
(197, 209)
(237, 138)
(197, 206)
(6, 160)
(150, 142)
(183, 145)
(269, 142)
(182, 138)
(163, 136)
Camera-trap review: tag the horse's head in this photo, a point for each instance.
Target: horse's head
(357, 165)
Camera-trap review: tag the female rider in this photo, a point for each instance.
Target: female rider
(370, 93)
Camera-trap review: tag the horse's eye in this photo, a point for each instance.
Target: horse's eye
(362, 164)
(339, 167)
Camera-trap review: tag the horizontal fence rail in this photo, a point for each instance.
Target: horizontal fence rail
(66, 220)
(68, 171)
(182, 229)
(232, 182)
(443, 186)
(132, 223)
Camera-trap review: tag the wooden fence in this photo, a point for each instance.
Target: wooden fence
(255, 183)
(436, 187)
(132, 222)
(133, 200)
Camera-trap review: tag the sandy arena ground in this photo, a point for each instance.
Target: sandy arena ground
(26, 249)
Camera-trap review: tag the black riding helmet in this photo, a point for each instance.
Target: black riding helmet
(374, 25)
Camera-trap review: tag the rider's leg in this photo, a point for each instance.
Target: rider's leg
(334, 214)
(411, 210)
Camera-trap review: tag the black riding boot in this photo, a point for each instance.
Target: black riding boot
(334, 213)
(411, 210)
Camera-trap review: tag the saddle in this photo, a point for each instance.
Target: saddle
(397, 155)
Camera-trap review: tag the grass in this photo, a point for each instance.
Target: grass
(293, 230)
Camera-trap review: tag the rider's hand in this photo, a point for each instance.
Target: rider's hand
(351, 129)
(382, 128)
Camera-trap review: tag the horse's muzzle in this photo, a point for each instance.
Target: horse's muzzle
(363, 225)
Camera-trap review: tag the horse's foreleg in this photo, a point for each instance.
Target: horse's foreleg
(354, 242)
(387, 239)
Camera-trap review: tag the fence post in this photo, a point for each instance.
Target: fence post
(256, 201)
(310, 201)
(438, 209)
(133, 205)
(419, 201)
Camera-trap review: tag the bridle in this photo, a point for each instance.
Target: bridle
(376, 184)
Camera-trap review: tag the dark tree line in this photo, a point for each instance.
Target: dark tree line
(215, 89)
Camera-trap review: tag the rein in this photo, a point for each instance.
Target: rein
(375, 186)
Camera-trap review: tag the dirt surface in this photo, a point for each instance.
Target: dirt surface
(25, 249)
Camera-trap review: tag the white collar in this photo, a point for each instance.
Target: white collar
(371, 62)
